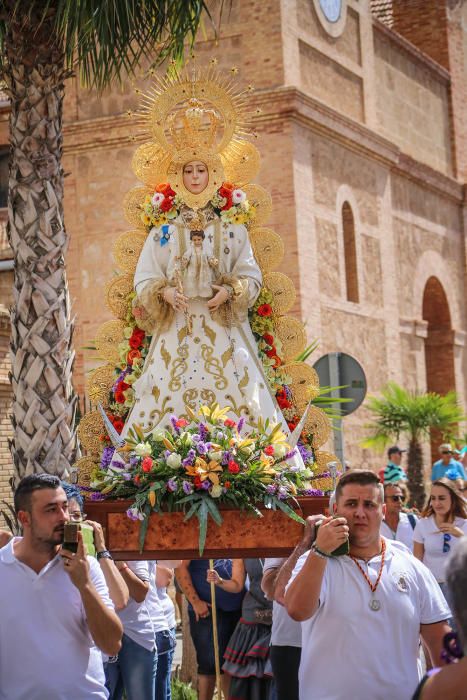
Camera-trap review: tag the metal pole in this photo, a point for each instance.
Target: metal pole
(338, 432)
(214, 634)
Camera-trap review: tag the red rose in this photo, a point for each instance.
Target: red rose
(283, 401)
(119, 397)
(166, 205)
(146, 464)
(181, 423)
(272, 352)
(227, 484)
(132, 356)
(134, 342)
(197, 482)
(233, 467)
(291, 425)
(229, 423)
(269, 450)
(268, 338)
(264, 310)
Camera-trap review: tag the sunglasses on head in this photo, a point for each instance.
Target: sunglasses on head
(446, 540)
(396, 498)
(446, 452)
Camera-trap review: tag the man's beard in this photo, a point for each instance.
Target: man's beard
(48, 540)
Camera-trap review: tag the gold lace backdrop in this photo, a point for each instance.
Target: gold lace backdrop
(161, 159)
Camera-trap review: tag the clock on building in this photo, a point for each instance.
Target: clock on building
(331, 15)
(332, 9)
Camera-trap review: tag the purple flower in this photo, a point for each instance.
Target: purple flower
(282, 493)
(189, 459)
(271, 489)
(133, 514)
(107, 454)
(307, 455)
(196, 438)
(291, 454)
(202, 448)
(226, 457)
(313, 492)
(171, 485)
(240, 424)
(187, 487)
(203, 431)
(324, 475)
(134, 461)
(167, 453)
(97, 496)
(173, 420)
(206, 484)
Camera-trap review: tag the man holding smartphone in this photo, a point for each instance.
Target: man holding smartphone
(55, 614)
(362, 614)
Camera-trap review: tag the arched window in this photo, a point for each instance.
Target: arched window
(350, 253)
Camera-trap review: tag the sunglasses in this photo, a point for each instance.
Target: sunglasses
(446, 540)
(446, 453)
(395, 499)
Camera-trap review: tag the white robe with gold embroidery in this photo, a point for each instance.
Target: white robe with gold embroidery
(213, 362)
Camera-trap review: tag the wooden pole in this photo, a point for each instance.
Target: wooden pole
(215, 637)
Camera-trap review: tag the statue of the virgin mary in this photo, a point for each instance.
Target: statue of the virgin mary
(202, 317)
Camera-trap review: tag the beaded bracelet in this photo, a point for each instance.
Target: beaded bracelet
(319, 552)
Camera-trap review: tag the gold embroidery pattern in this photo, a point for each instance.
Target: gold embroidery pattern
(156, 415)
(227, 355)
(179, 366)
(213, 366)
(182, 334)
(165, 354)
(237, 409)
(156, 392)
(208, 396)
(210, 332)
(189, 398)
(245, 380)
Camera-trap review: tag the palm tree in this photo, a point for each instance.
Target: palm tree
(41, 42)
(401, 412)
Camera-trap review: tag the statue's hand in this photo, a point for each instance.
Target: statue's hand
(176, 300)
(219, 298)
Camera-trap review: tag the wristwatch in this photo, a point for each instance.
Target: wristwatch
(105, 554)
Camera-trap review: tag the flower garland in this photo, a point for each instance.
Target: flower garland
(195, 463)
(161, 207)
(231, 205)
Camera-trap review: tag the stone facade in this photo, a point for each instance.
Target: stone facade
(361, 115)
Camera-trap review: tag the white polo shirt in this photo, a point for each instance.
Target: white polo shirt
(427, 533)
(403, 533)
(46, 650)
(285, 632)
(351, 651)
(136, 617)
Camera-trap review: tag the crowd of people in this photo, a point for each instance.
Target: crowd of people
(313, 626)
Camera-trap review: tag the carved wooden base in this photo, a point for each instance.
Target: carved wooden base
(169, 537)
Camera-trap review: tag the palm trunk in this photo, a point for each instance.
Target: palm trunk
(416, 475)
(41, 352)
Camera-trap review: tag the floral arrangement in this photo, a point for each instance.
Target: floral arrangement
(231, 204)
(158, 209)
(198, 463)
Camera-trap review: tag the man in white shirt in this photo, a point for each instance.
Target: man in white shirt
(362, 613)
(55, 609)
(397, 525)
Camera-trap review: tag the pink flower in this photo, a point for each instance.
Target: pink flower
(157, 199)
(238, 196)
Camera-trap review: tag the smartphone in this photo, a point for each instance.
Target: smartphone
(342, 548)
(88, 539)
(70, 537)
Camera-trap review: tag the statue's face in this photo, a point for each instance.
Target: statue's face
(195, 176)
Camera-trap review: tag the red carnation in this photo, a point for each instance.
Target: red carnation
(269, 450)
(137, 479)
(181, 423)
(146, 464)
(291, 425)
(136, 339)
(272, 352)
(269, 339)
(277, 361)
(166, 205)
(229, 423)
(264, 310)
(118, 425)
(233, 467)
(119, 397)
(197, 482)
(227, 484)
